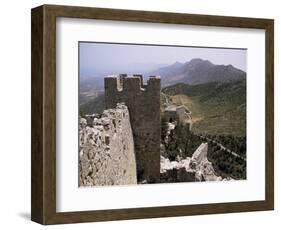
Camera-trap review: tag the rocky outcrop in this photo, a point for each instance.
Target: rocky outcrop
(106, 154)
(196, 168)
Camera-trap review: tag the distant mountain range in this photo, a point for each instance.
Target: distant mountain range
(198, 71)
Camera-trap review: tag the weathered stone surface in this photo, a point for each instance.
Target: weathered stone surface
(201, 153)
(178, 114)
(196, 168)
(143, 101)
(107, 155)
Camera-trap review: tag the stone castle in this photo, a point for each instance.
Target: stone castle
(122, 145)
(143, 102)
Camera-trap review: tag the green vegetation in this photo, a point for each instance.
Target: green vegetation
(219, 113)
(181, 142)
(235, 144)
(217, 107)
(225, 164)
(95, 105)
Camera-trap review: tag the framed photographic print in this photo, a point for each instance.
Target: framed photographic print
(140, 114)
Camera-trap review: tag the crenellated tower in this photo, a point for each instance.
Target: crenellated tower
(143, 102)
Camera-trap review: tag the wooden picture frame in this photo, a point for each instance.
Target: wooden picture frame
(43, 188)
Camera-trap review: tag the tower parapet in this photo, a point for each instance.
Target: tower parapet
(143, 102)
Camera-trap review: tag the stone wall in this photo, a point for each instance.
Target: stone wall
(106, 155)
(143, 102)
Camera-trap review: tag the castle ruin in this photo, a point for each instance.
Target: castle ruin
(106, 151)
(122, 145)
(178, 114)
(143, 102)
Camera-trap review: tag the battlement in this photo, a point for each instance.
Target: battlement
(124, 82)
(143, 102)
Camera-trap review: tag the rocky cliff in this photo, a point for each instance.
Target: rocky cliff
(106, 154)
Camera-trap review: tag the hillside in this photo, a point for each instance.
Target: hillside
(217, 107)
(95, 105)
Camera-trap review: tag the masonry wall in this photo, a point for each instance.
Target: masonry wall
(143, 102)
(106, 155)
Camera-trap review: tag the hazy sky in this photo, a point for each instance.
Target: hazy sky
(108, 57)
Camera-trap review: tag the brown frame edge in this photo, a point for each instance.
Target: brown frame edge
(43, 156)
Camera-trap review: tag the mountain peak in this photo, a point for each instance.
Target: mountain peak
(196, 61)
(198, 71)
(177, 64)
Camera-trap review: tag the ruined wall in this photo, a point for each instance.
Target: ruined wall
(106, 155)
(178, 114)
(201, 153)
(196, 168)
(171, 116)
(143, 102)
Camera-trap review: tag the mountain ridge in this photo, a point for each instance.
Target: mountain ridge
(198, 71)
